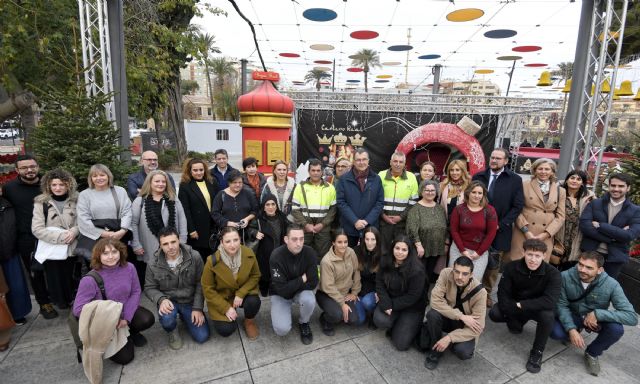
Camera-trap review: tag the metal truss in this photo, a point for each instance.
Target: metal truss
(96, 53)
(607, 32)
(384, 102)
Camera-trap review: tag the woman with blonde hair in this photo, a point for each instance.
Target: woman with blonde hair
(281, 186)
(196, 193)
(453, 186)
(155, 207)
(544, 209)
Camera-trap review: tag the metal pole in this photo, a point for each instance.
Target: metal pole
(579, 84)
(333, 76)
(116, 40)
(436, 78)
(243, 76)
(513, 68)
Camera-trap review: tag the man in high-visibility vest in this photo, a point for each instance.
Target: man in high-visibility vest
(313, 208)
(400, 193)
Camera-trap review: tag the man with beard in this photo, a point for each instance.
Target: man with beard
(149, 160)
(20, 192)
(609, 224)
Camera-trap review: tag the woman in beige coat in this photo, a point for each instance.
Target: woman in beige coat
(58, 198)
(544, 209)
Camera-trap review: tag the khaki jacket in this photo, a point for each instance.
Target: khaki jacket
(443, 300)
(220, 288)
(338, 276)
(67, 220)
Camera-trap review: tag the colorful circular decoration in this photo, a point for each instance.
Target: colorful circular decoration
(465, 14)
(399, 48)
(325, 69)
(364, 35)
(509, 58)
(325, 83)
(322, 47)
(287, 54)
(526, 48)
(384, 76)
(391, 63)
(354, 69)
(353, 81)
(536, 65)
(377, 87)
(323, 62)
(500, 33)
(355, 57)
(484, 71)
(429, 57)
(319, 14)
(382, 81)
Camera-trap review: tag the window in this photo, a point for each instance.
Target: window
(209, 112)
(222, 134)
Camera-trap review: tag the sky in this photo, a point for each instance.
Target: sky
(461, 47)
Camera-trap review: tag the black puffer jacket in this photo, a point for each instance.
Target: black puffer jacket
(402, 288)
(7, 230)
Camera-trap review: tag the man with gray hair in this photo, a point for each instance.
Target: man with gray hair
(400, 193)
(149, 162)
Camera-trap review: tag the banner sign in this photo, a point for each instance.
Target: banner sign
(328, 135)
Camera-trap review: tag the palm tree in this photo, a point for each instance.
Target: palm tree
(205, 45)
(316, 75)
(366, 59)
(225, 71)
(564, 71)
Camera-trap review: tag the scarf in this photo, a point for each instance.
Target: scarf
(254, 181)
(232, 262)
(153, 213)
(61, 197)
(361, 177)
(544, 186)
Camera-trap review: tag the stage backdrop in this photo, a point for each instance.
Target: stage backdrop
(330, 134)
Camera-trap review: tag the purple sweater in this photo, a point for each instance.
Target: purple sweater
(120, 284)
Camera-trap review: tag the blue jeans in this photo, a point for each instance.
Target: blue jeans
(170, 321)
(608, 335)
(366, 304)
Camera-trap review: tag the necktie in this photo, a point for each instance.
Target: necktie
(492, 185)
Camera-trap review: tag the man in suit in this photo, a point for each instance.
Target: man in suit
(609, 224)
(506, 196)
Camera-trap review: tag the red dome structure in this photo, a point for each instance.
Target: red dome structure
(265, 98)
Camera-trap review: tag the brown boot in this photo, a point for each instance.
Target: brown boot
(251, 329)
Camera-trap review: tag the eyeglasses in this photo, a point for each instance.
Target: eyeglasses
(429, 190)
(27, 167)
(151, 160)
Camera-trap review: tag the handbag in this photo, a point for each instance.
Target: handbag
(6, 320)
(85, 244)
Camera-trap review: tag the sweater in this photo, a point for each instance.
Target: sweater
(339, 276)
(403, 289)
(120, 284)
(287, 270)
(142, 236)
(21, 195)
(473, 230)
(94, 204)
(535, 290)
(606, 291)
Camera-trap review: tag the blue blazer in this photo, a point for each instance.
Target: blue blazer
(355, 205)
(508, 200)
(614, 235)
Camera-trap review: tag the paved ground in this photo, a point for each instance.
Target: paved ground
(42, 351)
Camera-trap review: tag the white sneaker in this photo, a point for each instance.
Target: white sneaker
(175, 340)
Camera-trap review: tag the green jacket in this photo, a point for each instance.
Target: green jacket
(606, 291)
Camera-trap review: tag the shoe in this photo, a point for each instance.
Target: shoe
(327, 328)
(535, 361)
(305, 334)
(62, 306)
(21, 321)
(489, 302)
(175, 340)
(138, 339)
(251, 329)
(4, 347)
(48, 312)
(592, 364)
(431, 361)
(371, 324)
(387, 333)
(514, 327)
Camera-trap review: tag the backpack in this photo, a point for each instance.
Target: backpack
(423, 342)
(73, 322)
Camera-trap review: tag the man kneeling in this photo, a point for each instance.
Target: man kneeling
(529, 290)
(587, 292)
(172, 282)
(458, 306)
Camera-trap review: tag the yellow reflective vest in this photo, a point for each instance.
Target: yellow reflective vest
(313, 204)
(400, 193)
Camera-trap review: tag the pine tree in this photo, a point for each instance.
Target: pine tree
(75, 134)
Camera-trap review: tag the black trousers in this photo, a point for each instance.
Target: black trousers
(37, 279)
(204, 252)
(333, 311)
(59, 278)
(141, 268)
(404, 326)
(142, 319)
(437, 324)
(250, 304)
(544, 320)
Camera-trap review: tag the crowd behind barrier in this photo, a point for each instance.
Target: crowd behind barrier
(410, 254)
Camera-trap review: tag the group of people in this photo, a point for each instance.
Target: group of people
(365, 247)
